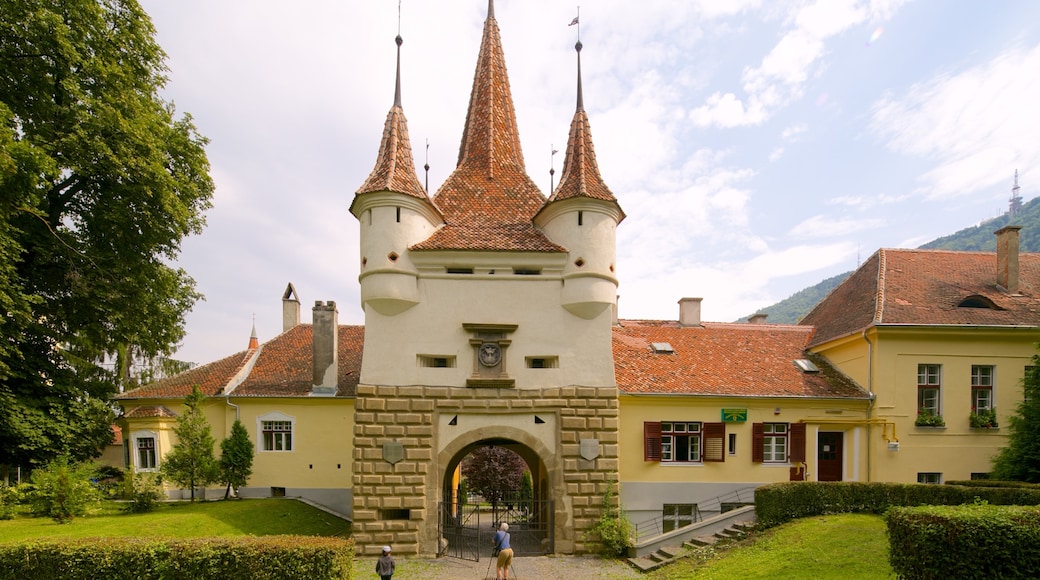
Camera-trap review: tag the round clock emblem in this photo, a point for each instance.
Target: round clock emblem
(490, 354)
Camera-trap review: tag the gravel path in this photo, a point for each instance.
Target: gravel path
(524, 568)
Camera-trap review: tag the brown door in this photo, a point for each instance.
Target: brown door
(828, 455)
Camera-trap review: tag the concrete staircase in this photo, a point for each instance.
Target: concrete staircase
(667, 554)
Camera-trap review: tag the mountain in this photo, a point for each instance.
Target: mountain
(978, 238)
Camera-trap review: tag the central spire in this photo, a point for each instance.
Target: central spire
(490, 139)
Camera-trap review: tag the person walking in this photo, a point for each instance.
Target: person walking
(385, 564)
(505, 553)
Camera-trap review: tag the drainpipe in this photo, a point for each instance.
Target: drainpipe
(227, 399)
(873, 397)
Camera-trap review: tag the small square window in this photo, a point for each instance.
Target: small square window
(929, 477)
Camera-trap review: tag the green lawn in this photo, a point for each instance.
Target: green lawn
(257, 517)
(826, 547)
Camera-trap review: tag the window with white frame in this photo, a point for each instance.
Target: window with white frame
(144, 452)
(774, 443)
(684, 442)
(929, 477)
(981, 387)
(929, 385)
(678, 515)
(276, 432)
(680, 441)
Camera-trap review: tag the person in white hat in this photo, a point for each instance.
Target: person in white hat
(385, 564)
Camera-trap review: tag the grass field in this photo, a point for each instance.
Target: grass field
(835, 547)
(258, 517)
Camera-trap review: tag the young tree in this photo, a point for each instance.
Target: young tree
(1020, 460)
(62, 490)
(99, 183)
(492, 470)
(236, 458)
(191, 463)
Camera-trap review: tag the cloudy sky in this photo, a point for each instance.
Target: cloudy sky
(757, 146)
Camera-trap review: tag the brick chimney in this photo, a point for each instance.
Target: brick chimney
(757, 318)
(1007, 258)
(290, 308)
(325, 348)
(690, 311)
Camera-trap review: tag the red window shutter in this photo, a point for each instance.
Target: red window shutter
(714, 441)
(758, 442)
(651, 441)
(797, 433)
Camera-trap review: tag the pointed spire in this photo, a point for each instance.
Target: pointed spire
(581, 176)
(254, 342)
(395, 170)
(490, 139)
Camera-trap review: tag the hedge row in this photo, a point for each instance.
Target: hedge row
(964, 542)
(778, 503)
(254, 557)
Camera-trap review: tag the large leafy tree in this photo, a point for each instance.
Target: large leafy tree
(99, 183)
(1020, 459)
(236, 458)
(191, 462)
(493, 471)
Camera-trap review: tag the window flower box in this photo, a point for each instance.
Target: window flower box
(983, 418)
(926, 418)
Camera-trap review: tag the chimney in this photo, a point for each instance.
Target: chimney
(1007, 258)
(325, 348)
(690, 311)
(290, 308)
(757, 318)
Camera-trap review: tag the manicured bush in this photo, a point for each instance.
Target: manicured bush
(964, 542)
(256, 558)
(777, 503)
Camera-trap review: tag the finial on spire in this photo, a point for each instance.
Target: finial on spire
(427, 165)
(397, 83)
(254, 342)
(491, 9)
(552, 166)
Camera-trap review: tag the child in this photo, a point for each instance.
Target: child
(385, 565)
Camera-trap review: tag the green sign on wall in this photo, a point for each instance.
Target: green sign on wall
(734, 415)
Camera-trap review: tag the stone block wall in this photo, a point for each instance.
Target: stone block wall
(396, 503)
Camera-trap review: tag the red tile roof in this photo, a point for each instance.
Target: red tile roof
(394, 170)
(150, 412)
(740, 360)
(281, 368)
(925, 287)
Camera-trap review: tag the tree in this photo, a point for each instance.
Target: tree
(1020, 459)
(490, 471)
(62, 490)
(99, 184)
(236, 458)
(191, 463)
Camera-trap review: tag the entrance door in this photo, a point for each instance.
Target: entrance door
(828, 455)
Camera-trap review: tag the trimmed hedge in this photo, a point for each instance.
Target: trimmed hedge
(254, 557)
(777, 503)
(970, 541)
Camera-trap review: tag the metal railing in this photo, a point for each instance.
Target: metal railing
(710, 506)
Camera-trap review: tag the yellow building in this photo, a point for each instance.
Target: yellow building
(490, 320)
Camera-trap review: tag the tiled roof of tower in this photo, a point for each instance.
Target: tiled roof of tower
(489, 201)
(282, 368)
(581, 176)
(395, 169)
(149, 412)
(926, 287)
(721, 359)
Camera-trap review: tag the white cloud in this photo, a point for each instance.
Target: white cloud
(822, 226)
(978, 125)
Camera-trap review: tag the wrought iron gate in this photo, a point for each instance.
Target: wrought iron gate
(466, 530)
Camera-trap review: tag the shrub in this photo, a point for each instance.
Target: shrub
(972, 541)
(9, 498)
(613, 530)
(142, 492)
(256, 558)
(63, 490)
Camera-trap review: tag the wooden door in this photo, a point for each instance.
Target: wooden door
(829, 455)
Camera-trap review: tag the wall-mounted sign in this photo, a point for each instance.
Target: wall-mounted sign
(393, 451)
(734, 415)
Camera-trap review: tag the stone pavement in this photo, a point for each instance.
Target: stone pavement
(524, 568)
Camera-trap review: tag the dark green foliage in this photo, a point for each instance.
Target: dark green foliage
(62, 490)
(777, 503)
(236, 458)
(99, 184)
(256, 558)
(190, 463)
(613, 532)
(977, 238)
(141, 492)
(9, 498)
(972, 541)
(1020, 459)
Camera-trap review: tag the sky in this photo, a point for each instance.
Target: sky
(756, 146)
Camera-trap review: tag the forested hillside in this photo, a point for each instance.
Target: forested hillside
(977, 238)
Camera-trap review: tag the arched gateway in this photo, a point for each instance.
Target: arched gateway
(488, 316)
